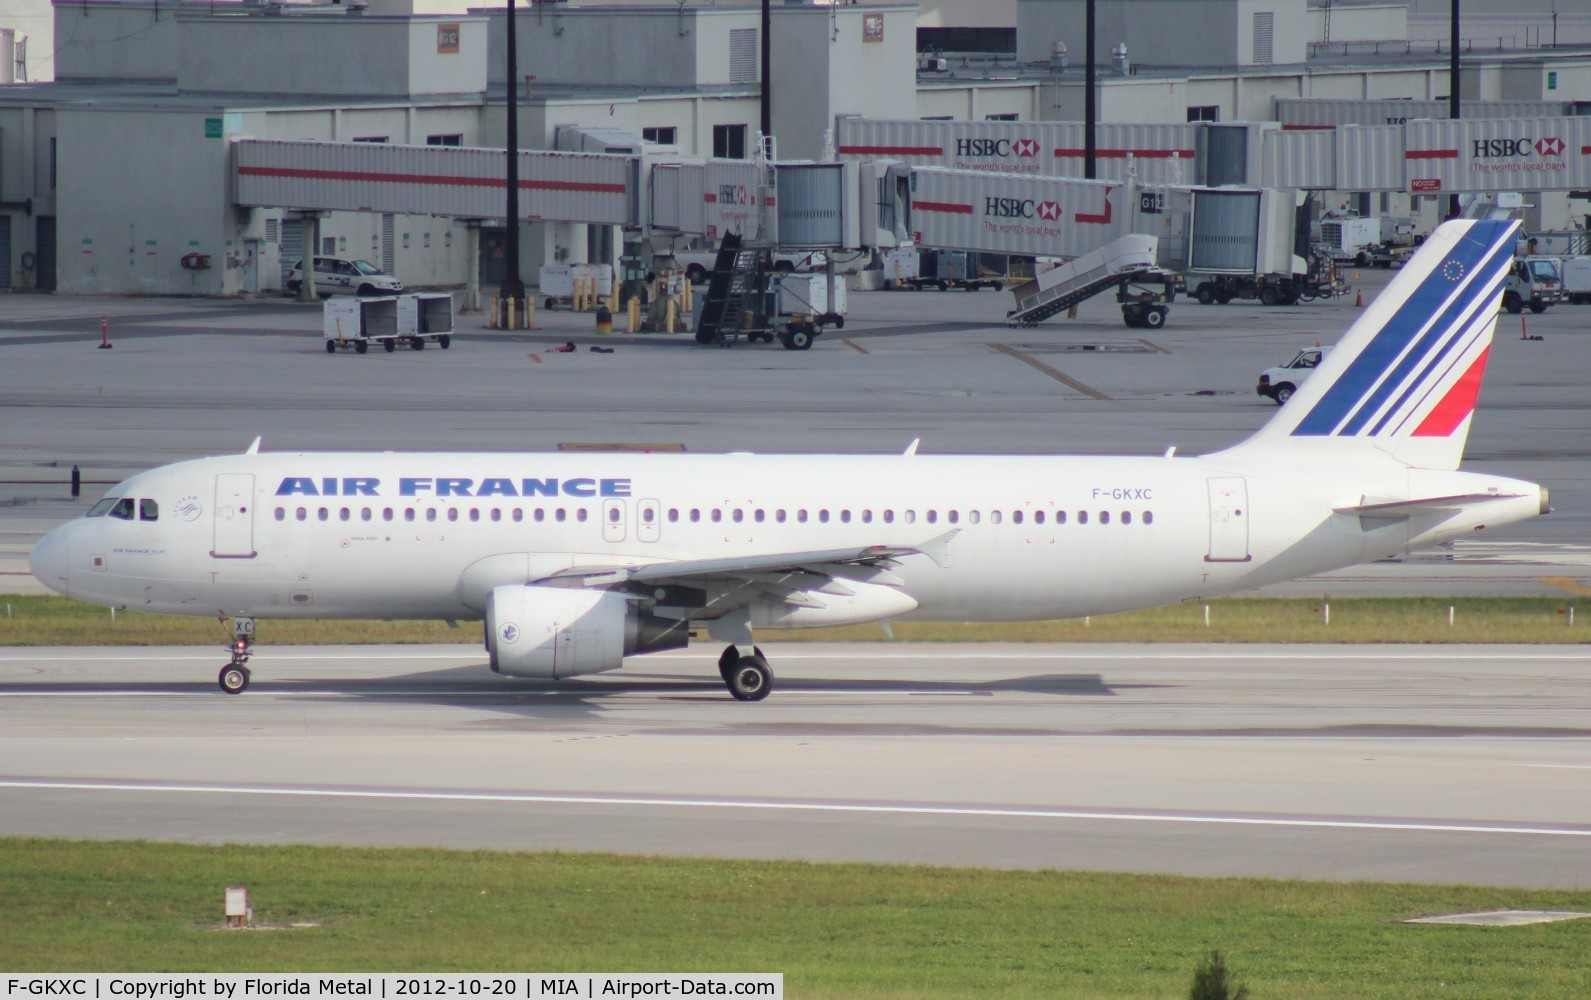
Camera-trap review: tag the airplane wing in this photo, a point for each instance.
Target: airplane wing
(819, 562)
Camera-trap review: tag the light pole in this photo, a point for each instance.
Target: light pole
(513, 288)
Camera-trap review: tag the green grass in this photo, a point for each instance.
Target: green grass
(833, 930)
(57, 621)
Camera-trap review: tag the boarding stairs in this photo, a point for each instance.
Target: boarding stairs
(1118, 263)
(732, 289)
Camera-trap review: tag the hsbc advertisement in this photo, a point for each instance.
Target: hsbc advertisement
(1528, 154)
(1158, 153)
(1050, 216)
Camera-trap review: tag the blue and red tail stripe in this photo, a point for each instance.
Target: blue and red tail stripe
(1417, 348)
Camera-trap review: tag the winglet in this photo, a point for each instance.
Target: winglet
(938, 548)
(254, 449)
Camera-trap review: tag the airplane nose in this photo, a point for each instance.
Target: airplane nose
(50, 560)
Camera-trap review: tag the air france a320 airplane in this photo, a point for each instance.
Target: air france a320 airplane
(574, 561)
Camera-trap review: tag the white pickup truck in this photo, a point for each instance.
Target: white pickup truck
(1281, 382)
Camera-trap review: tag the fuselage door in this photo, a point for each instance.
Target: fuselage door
(234, 516)
(649, 520)
(1229, 517)
(613, 520)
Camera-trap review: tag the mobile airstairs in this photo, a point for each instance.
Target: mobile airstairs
(1130, 265)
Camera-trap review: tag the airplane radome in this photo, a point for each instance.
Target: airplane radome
(575, 561)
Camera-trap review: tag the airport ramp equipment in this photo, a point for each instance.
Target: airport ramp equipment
(1116, 263)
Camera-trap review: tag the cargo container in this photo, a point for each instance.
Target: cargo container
(1350, 239)
(1328, 113)
(1576, 274)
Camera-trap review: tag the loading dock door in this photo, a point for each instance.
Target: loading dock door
(1229, 517)
(234, 516)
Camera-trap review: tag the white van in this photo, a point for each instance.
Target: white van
(1281, 382)
(342, 276)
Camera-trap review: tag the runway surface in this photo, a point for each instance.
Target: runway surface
(1461, 764)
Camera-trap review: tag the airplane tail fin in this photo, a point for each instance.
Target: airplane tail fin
(1405, 376)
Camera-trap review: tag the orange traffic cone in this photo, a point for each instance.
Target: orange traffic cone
(1359, 300)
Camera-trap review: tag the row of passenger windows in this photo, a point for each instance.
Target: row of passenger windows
(126, 509)
(694, 515)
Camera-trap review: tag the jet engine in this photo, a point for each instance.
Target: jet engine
(561, 632)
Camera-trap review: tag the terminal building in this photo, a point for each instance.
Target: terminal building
(118, 175)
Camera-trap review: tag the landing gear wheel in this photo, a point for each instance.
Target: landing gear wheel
(331, 347)
(750, 679)
(1155, 317)
(361, 347)
(234, 679)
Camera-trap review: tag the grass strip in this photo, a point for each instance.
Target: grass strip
(59, 621)
(834, 930)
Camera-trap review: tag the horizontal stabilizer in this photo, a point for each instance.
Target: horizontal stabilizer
(1398, 509)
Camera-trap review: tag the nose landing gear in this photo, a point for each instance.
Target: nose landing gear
(235, 675)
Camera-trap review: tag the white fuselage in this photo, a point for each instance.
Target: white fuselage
(1002, 538)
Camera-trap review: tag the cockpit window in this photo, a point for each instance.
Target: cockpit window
(123, 509)
(148, 510)
(102, 508)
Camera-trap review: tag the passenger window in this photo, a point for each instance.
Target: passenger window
(801, 516)
(1016, 517)
(519, 514)
(1104, 517)
(716, 515)
(148, 510)
(973, 517)
(559, 515)
(281, 513)
(845, 517)
(102, 508)
(823, 517)
(1082, 517)
(889, 517)
(324, 514)
(302, 514)
(994, 517)
(364, 513)
(580, 515)
(737, 516)
(1060, 517)
(696, 515)
(342, 515)
(540, 516)
(122, 509)
(408, 514)
(452, 513)
(759, 516)
(932, 517)
(386, 513)
(1126, 517)
(430, 513)
(867, 517)
(778, 515)
(648, 515)
(673, 515)
(953, 516)
(475, 513)
(1149, 517)
(613, 515)
(497, 515)
(910, 517)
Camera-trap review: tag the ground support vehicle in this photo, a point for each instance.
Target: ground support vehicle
(1576, 273)
(1127, 265)
(1535, 283)
(344, 276)
(1278, 384)
(743, 300)
(356, 323)
(698, 264)
(1323, 280)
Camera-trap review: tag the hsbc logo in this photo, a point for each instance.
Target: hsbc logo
(997, 147)
(732, 194)
(1021, 208)
(1485, 149)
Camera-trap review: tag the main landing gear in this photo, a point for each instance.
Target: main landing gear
(235, 675)
(748, 677)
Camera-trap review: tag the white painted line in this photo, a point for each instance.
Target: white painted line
(799, 806)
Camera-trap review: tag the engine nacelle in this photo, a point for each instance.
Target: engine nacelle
(561, 632)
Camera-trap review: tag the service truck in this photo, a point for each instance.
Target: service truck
(1535, 282)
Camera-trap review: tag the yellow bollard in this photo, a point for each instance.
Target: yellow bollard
(668, 316)
(633, 315)
(509, 318)
(613, 298)
(492, 323)
(686, 301)
(530, 313)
